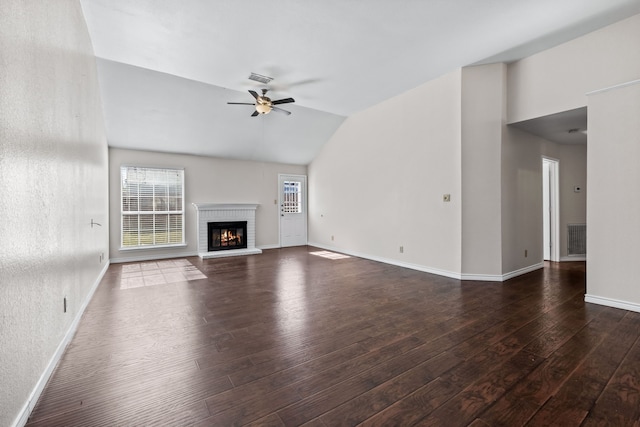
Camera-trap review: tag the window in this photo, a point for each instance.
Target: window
(152, 207)
(292, 202)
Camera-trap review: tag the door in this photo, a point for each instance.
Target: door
(293, 210)
(551, 211)
(546, 211)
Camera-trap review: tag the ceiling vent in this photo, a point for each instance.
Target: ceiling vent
(260, 78)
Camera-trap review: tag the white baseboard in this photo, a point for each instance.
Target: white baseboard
(610, 302)
(439, 272)
(152, 257)
(572, 258)
(482, 277)
(522, 271)
(263, 247)
(23, 416)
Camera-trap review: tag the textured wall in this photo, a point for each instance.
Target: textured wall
(53, 182)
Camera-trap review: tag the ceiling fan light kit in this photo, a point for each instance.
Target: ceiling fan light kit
(263, 108)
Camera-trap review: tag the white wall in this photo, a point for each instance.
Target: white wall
(522, 226)
(53, 178)
(558, 79)
(553, 81)
(613, 203)
(483, 118)
(378, 183)
(521, 200)
(207, 180)
(502, 182)
(388, 167)
(369, 150)
(573, 172)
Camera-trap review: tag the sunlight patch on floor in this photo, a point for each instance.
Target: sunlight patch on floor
(330, 255)
(158, 273)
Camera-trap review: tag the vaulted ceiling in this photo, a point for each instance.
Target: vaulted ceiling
(168, 68)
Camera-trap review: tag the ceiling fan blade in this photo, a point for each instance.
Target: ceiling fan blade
(253, 93)
(280, 110)
(255, 113)
(240, 103)
(283, 101)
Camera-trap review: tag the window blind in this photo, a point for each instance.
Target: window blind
(152, 206)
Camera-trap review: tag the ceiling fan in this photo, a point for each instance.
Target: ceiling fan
(264, 104)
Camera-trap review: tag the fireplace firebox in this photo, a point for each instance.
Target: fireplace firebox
(227, 235)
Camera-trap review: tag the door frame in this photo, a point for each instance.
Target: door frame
(305, 205)
(553, 195)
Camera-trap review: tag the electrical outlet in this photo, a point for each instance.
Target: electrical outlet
(526, 253)
(64, 304)
(401, 249)
(446, 197)
(332, 238)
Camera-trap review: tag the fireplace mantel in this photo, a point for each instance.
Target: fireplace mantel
(223, 212)
(225, 206)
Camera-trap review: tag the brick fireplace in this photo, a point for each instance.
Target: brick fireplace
(215, 219)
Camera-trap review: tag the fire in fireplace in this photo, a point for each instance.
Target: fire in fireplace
(227, 235)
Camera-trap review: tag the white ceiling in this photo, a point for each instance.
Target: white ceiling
(168, 68)
(566, 127)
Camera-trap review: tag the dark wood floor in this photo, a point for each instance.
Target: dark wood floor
(291, 338)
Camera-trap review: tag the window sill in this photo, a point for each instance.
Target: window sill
(141, 248)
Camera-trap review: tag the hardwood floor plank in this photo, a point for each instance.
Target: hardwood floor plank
(271, 420)
(295, 378)
(384, 395)
(580, 390)
(305, 364)
(463, 408)
(326, 379)
(619, 402)
(415, 406)
(290, 338)
(528, 395)
(253, 410)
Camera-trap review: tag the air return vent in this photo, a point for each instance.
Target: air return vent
(576, 239)
(260, 78)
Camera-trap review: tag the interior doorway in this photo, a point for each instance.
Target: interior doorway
(550, 209)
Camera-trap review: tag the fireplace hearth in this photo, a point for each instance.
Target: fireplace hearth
(223, 236)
